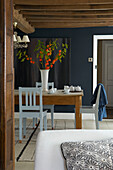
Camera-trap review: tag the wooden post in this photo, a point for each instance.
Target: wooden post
(7, 151)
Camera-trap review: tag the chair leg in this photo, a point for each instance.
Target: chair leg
(52, 117)
(96, 121)
(41, 122)
(34, 122)
(20, 128)
(24, 126)
(74, 121)
(45, 122)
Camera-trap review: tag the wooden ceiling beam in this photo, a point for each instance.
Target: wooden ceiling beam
(23, 25)
(73, 12)
(48, 7)
(93, 20)
(64, 14)
(71, 25)
(71, 20)
(60, 2)
(65, 7)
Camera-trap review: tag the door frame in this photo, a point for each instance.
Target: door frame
(96, 38)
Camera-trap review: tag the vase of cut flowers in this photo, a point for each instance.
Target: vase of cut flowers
(44, 58)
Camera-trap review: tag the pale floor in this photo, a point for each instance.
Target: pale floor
(66, 124)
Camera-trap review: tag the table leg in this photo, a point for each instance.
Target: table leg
(78, 102)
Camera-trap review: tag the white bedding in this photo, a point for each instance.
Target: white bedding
(48, 152)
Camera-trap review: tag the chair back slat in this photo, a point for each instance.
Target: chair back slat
(30, 98)
(41, 101)
(26, 98)
(20, 100)
(34, 98)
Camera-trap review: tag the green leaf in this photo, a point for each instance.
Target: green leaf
(20, 56)
(18, 52)
(24, 52)
(66, 45)
(42, 46)
(37, 55)
(23, 60)
(62, 45)
(65, 50)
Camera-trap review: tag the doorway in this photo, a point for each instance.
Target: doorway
(103, 67)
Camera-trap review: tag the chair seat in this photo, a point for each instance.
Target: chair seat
(32, 114)
(47, 106)
(87, 109)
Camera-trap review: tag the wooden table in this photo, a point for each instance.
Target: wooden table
(59, 98)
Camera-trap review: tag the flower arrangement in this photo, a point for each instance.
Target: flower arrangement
(44, 54)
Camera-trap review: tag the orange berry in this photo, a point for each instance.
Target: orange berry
(30, 58)
(46, 64)
(31, 62)
(27, 58)
(59, 54)
(26, 55)
(53, 61)
(51, 66)
(40, 59)
(47, 46)
(46, 49)
(48, 54)
(59, 51)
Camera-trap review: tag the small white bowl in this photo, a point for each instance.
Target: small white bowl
(78, 88)
(72, 88)
(66, 91)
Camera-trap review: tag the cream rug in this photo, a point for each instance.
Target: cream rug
(29, 152)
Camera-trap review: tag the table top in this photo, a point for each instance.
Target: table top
(57, 93)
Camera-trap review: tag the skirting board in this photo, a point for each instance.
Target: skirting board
(65, 116)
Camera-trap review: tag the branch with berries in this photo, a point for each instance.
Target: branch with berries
(44, 54)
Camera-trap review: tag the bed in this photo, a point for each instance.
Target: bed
(48, 152)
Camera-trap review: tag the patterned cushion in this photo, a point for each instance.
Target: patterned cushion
(88, 155)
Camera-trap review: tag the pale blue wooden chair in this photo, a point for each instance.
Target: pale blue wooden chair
(29, 108)
(50, 107)
(93, 109)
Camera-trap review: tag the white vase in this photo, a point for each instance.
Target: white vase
(44, 79)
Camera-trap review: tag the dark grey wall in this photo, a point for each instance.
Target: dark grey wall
(81, 49)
